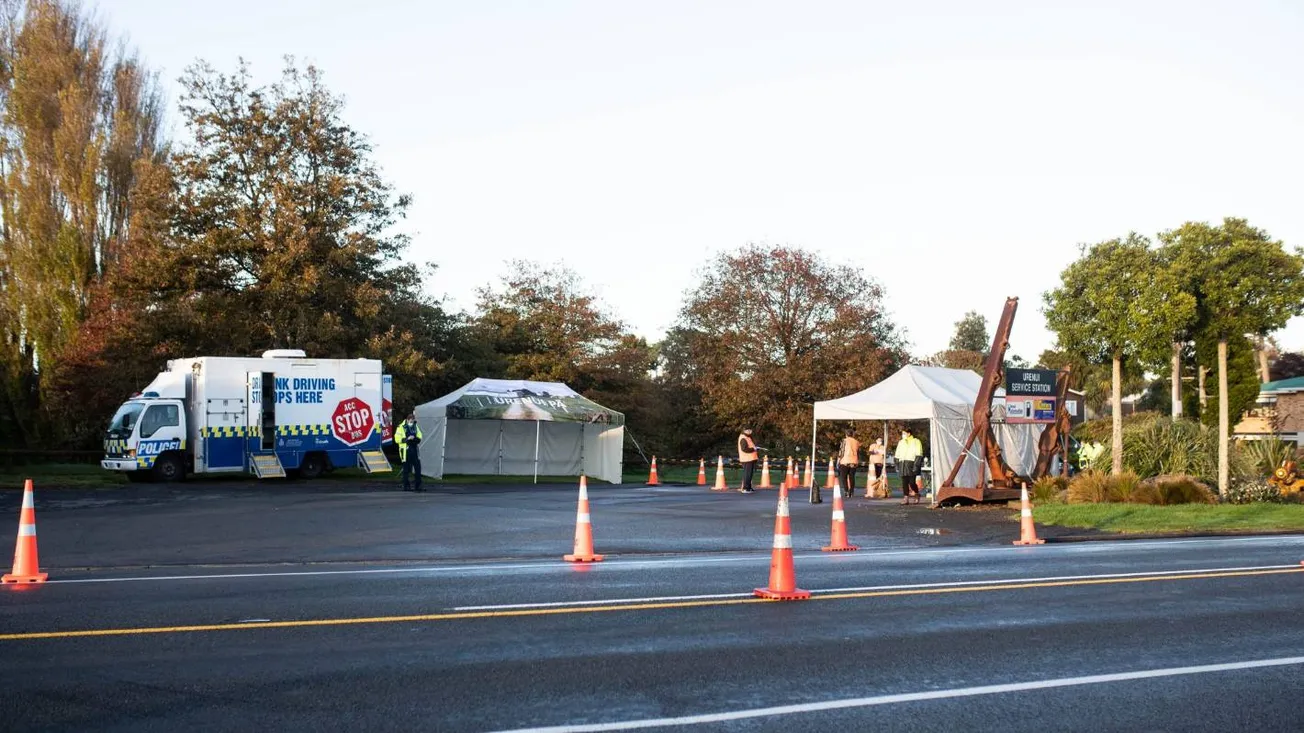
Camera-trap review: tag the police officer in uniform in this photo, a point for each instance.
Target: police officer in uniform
(408, 437)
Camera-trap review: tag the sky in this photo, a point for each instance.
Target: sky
(958, 152)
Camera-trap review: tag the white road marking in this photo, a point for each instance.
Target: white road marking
(863, 588)
(867, 554)
(863, 702)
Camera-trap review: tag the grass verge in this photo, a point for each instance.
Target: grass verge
(1140, 518)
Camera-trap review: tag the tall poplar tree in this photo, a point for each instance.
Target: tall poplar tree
(79, 116)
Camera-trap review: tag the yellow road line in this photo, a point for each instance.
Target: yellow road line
(466, 615)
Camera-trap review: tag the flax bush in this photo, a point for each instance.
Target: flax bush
(1266, 455)
(1158, 446)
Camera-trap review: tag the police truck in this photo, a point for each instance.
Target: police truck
(283, 412)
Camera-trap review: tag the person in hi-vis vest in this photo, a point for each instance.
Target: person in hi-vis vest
(747, 456)
(408, 437)
(908, 453)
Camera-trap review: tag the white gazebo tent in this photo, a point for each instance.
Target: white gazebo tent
(501, 427)
(944, 397)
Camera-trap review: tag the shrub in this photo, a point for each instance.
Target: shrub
(1264, 456)
(1252, 492)
(1157, 446)
(1177, 489)
(1122, 488)
(1049, 490)
(1089, 487)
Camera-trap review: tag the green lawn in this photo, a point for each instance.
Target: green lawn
(1134, 518)
(61, 475)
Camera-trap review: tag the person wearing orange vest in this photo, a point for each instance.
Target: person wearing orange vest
(848, 460)
(747, 456)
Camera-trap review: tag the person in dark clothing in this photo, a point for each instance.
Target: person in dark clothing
(408, 437)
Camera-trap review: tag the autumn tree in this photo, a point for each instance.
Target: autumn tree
(772, 329)
(541, 322)
(278, 231)
(1114, 305)
(81, 116)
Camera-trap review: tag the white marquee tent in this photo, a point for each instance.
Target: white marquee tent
(945, 398)
(503, 427)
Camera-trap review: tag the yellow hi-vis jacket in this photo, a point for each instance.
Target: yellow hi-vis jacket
(909, 449)
(401, 437)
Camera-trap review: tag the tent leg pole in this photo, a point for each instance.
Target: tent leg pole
(536, 451)
(813, 432)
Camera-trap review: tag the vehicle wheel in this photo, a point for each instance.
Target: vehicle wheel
(169, 469)
(313, 466)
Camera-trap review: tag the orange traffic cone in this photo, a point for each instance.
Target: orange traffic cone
(838, 536)
(701, 472)
(27, 567)
(719, 475)
(583, 529)
(652, 479)
(765, 474)
(831, 481)
(787, 477)
(783, 576)
(806, 474)
(1027, 531)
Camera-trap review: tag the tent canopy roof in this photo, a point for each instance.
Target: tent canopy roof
(910, 394)
(519, 399)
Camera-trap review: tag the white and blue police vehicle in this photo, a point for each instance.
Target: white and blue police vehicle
(283, 412)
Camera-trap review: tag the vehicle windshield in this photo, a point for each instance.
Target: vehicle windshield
(125, 419)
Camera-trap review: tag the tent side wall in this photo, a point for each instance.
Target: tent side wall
(604, 452)
(507, 448)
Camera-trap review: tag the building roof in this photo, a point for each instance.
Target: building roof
(1282, 386)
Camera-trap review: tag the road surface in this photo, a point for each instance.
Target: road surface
(1190, 635)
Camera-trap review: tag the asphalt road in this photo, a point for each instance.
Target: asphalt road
(1084, 636)
(223, 523)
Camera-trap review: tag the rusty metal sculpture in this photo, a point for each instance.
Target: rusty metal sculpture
(1004, 483)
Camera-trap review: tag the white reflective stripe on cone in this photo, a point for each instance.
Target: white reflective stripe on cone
(582, 518)
(839, 516)
(783, 542)
(27, 530)
(28, 502)
(1027, 512)
(783, 508)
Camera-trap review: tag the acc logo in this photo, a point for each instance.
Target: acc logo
(352, 422)
(155, 447)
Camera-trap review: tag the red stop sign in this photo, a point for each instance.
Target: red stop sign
(352, 422)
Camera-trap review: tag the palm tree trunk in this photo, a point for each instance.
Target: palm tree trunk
(1116, 404)
(1177, 380)
(1223, 419)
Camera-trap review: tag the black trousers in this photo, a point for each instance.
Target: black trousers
(908, 472)
(412, 464)
(749, 468)
(847, 475)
